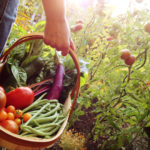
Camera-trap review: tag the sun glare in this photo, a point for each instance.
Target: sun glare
(118, 6)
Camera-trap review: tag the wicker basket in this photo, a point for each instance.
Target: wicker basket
(17, 142)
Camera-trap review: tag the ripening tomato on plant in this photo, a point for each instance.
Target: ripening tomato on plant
(109, 39)
(147, 27)
(130, 61)
(125, 53)
(20, 97)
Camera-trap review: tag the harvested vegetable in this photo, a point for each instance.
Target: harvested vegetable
(26, 117)
(2, 89)
(10, 108)
(10, 116)
(20, 97)
(57, 84)
(10, 125)
(3, 114)
(18, 113)
(18, 121)
(2, 99)
(47, 118)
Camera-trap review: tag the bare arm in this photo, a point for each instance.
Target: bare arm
(57, 32)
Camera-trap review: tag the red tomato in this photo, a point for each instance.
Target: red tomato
(20, 97)
(3, 115)
(26, 117)
(2, 99)
(2, 89)
(125, 53)
(10, 125)
(10, 116)
(109, 39)
(18, 121)
(18, 113)
(76, 27)
(130, 61)
(11, 109)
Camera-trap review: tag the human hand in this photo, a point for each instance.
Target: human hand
(57, 35)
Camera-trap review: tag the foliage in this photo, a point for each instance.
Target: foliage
(73, 141)
(122, 108)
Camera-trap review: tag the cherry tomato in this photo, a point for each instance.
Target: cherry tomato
(125, 53)
(10, 125)
(11, 109)
(10, 116)
(130, 61)
(2, 99)
(2, 89)
(109, 39)
(3, 114)
(26, 117)
(18, 121)
(18, 113)
(20, 97)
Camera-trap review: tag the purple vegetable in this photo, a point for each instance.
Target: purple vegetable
(57, 84)
(42, 90)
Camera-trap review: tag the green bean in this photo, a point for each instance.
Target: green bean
(53, 131)
(46, 125)
(34, 131)
(61, 121)
(41, 102)
(45, 119)
(52, 111)
(53, 101)
(36, 114)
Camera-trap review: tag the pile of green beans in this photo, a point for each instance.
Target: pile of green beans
(47, 118)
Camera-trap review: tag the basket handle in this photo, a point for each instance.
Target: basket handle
(33, 36)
